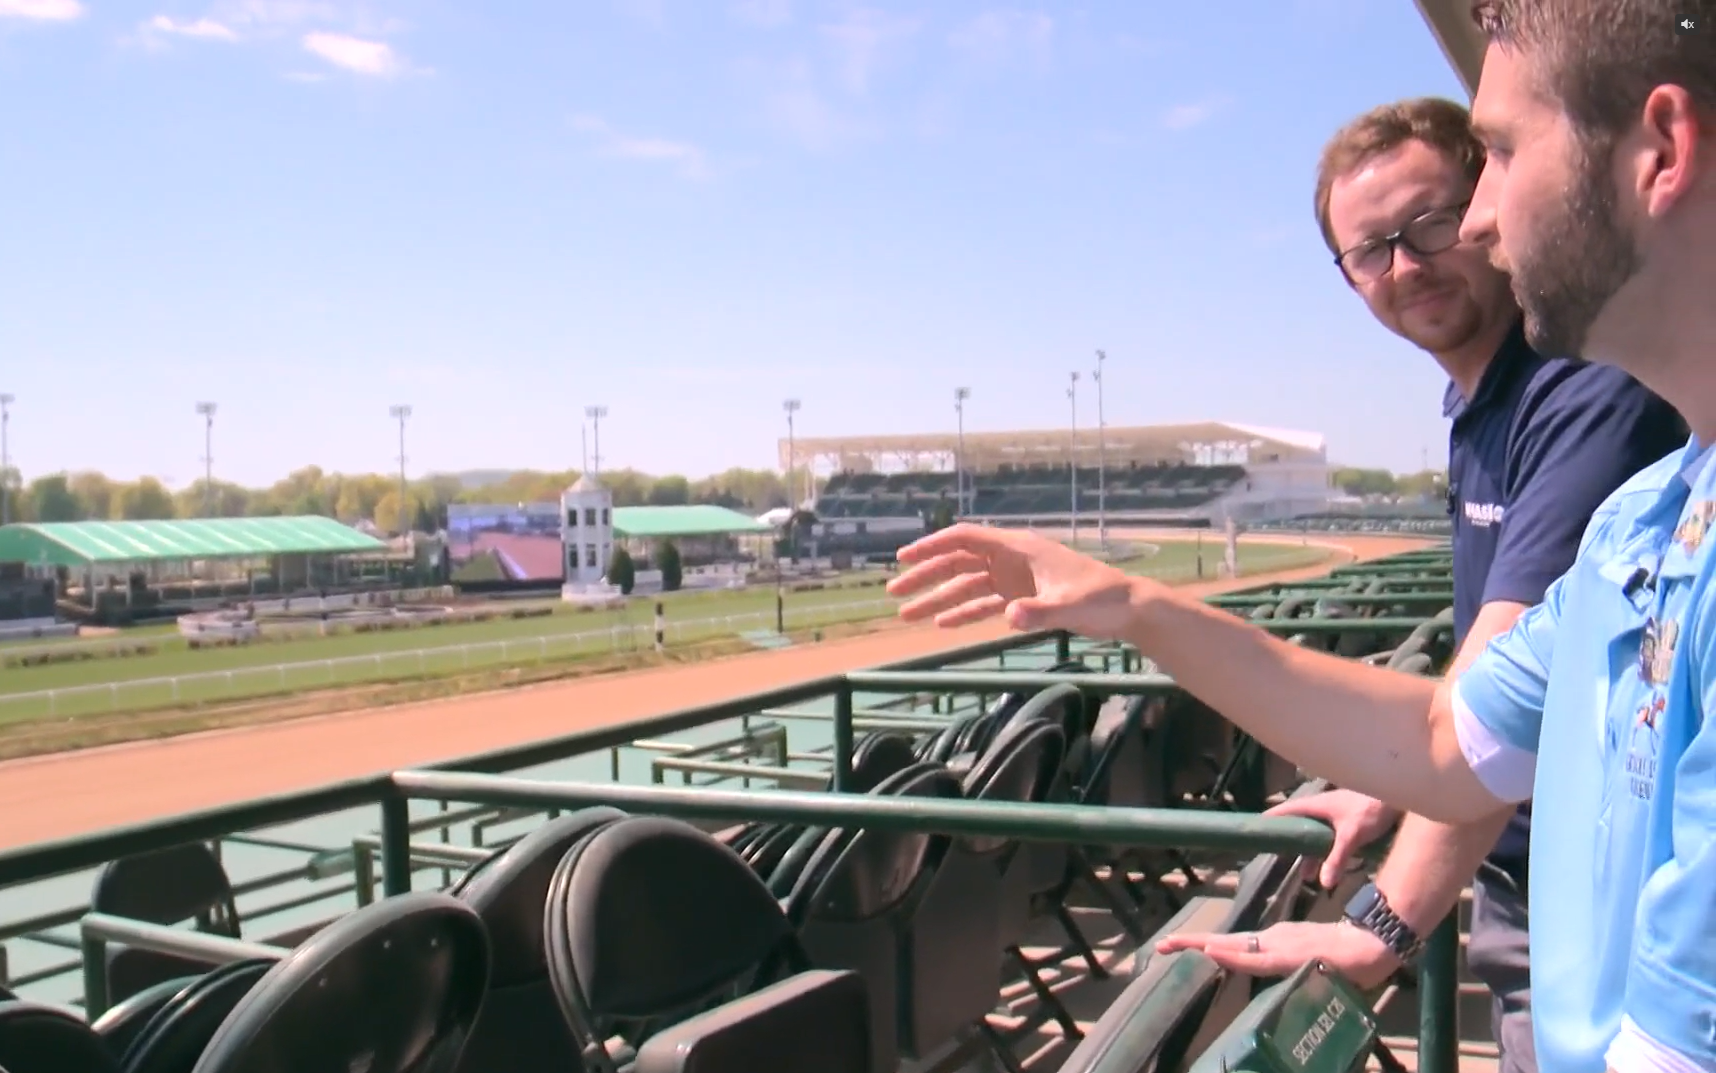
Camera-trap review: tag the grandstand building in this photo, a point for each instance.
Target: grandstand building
(1182, 475)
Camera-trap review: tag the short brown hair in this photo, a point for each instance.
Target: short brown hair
(1600, 59)
(1441, 124)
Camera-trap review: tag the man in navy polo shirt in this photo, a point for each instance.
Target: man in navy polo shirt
(1535, 445)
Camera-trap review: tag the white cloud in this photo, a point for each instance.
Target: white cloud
(205, 28)
(1001, 36)
(766, 13)
(1195, 114)
(41, 10)
(271, 18)
(374, 58)
(864, 38)
(686, 158)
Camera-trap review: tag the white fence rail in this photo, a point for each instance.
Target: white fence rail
(138, 694)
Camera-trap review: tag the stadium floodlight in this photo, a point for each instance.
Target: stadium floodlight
(400, 413)
(792, 406)
(6, 401)
(1101, 458)
(206, 410)
(960, 394)
(1072, 464)
(595, 414)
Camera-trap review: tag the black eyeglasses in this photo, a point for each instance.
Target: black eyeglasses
(1425, 235)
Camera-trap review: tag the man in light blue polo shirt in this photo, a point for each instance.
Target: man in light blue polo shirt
(1630, 958)
(1599, 197)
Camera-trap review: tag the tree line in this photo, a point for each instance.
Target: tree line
(375, 497)
(1427, 484)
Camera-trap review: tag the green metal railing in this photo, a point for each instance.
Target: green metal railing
(1416, 580)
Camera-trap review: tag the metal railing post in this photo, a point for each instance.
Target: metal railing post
(843, 737)
(1438, 998)
(95, 1000)
(395, 844)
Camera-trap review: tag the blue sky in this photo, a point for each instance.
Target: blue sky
(499, 213)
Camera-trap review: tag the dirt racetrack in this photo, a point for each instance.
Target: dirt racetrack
(56, 796)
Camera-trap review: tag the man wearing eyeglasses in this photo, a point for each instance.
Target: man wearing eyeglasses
(1536, 444)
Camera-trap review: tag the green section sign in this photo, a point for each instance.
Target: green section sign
(1312, 1022)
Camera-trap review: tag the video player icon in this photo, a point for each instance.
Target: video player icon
(1685, 24)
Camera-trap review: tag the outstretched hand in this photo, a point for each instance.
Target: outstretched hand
(1278, 951)
(967, 573)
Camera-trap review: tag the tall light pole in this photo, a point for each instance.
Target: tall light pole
(1101, 458)
(1072, 399)
(960, 394)
(792, 406)
(6, 402)
(400, 413)
(595, 414)
(207, 412)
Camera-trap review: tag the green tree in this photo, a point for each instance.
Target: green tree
(622, 571)
(670, 491)
(14, 495)
(147, 499)
(94, 494)
(1427, 484)
(389, 518)
(672, 570)
(1364, 482)
(429, 517)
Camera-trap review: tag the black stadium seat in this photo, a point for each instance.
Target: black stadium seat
(183, 883)
(174, 1038)
(630, 950)
(813, 1022)
(42, 1039)
(520, 1028)
(392, 988)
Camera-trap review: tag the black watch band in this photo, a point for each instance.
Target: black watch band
(1370, 910)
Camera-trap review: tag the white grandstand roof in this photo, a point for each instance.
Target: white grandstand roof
(1310, 441)
(1151, 443)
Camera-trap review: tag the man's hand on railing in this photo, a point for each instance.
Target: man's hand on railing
(1278, 951)
(1358, 821)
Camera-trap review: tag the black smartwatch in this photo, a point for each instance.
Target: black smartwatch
(1370, 910)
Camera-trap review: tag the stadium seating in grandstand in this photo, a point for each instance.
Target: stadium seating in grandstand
(1028, 490)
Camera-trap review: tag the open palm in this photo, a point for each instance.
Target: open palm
(967, 573)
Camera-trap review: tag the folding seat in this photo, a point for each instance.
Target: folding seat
(394, 987)
(169, 886)
(174, 1038)
(520, 1029)
(809, 1023)
(42, 1039)
(650, 921)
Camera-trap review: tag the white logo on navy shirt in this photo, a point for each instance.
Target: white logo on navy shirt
(1483, 515)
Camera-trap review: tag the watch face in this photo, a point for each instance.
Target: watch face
(1364, 901)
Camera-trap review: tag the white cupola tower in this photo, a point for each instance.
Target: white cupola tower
(586, 537)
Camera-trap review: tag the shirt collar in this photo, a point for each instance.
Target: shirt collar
(1642, 543)
(1695, 463)
(1497, 374)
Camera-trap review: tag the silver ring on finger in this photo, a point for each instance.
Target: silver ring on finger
(1253, 945)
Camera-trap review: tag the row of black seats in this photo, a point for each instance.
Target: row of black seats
(577, 948)
(926, 922)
